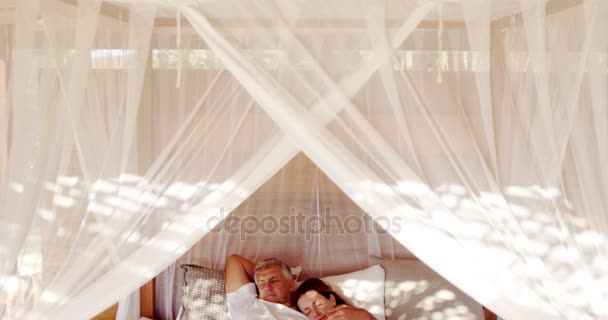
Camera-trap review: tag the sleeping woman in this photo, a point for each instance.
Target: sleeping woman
(317, 301)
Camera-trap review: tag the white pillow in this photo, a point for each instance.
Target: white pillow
(415, 291)
(362, 289)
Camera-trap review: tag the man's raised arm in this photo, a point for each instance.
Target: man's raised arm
(239, 272)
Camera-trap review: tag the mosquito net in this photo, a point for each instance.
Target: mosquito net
(471, 134)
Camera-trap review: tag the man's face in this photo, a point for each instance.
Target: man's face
(273, 286)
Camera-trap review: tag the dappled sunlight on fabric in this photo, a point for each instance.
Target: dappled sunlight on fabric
(51, 297)
(141, 195)
(433, 301)
(101, 229)
(563, 254)
(51, 187)
(139, 270)
(16, 187)
(46, 214)
(68, 181)
(227, 186)
(179, 227)
(361, 290)
(175, 248)
(104, 186)
(382, 188)
(135, 237)
(430, 301)
(122, 204)
(533, 192)
(29, 263)
(601, 263)
(414, 189)
(206, 217)
(492, 200)
(182, 191)
(11, 284)
(214, 197)
(16, 290)
(454, 129)
(100, 209)
(129, 178)
(454, 189)
(128, 194)
(449, 200)
(63, 201)
(167, 245)
(541, 258)
(117, 205)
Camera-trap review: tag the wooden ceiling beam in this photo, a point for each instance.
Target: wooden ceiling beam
(122, 14)
(551, 7)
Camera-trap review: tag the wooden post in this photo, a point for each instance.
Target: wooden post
(146, 300)
(145, 127)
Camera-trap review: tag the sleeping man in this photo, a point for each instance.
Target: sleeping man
(275, 286)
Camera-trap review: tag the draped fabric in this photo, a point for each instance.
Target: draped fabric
(136, 134)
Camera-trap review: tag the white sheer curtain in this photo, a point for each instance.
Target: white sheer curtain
(87, 166)
(299, 215)
(478, 128)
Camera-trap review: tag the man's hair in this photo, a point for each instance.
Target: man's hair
(269, 263)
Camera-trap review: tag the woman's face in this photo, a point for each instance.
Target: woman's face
(315, 306)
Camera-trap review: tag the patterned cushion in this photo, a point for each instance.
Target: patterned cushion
(204, 294)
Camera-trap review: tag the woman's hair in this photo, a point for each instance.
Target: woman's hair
(319, 286)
